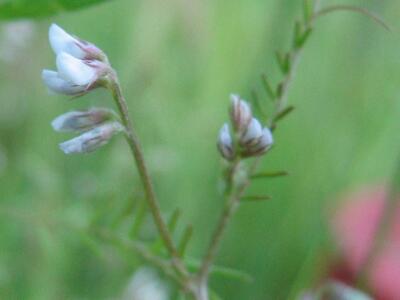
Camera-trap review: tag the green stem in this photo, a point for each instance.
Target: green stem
(135, 146)
(233, 196)
(235, 193)
(164, 265)
(350, 8)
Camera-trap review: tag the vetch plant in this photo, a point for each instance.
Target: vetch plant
(249, 138)
(242, 143)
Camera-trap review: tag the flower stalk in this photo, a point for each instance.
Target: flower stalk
(136, 148)
(236, 190)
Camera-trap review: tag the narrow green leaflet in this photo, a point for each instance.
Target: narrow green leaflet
(222, 271)
(13, 9)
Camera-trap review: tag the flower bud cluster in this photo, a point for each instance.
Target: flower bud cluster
(97, 124)
(81, 66)
(249, 137)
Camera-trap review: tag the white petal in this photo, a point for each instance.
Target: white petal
(225, 142)
(74, 70)
(61, 41)
(81, 120)
(224, 135)
(58, 85)
(264, 143)
(92, 139)
(267, 137)
(72, 146)
(241, 113)
(234, 98)
(254, 131)
(62, 123)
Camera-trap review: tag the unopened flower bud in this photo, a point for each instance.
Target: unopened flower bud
(225, 144)
(262, 145)
(252, 133)
(61, 41)
(82, 120)
(92, 139)
(240, 113)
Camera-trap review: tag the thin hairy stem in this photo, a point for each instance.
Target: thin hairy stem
(137, 152)
(281, 100)
(350, 8)
(141, 250)
(233, 196)
(235, 193)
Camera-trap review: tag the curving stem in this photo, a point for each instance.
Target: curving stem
(135, 146)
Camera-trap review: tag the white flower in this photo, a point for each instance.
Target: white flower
(145, 285)
(252, 133)
(75, 70)
(225, 145)
(91, 140)
(61, 41)
(59, 85)
(81, 120)
(241, 114)
(73, 76)
(81, 66)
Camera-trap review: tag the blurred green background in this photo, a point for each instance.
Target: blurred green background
(178, 62)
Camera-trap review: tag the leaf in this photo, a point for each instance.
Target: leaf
(283, 113)
(173, 220)
(304, 37)
(187, 235)
(172, 223)
(268, 87)
(257, 103)
(270, 174)
(13, 9)
(298, 33)
(283, 61)
(256, 198)
(222, 271)
(139, 218)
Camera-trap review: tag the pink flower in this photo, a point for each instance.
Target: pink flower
(355, 225)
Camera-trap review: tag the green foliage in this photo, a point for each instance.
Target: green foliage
(13, 9)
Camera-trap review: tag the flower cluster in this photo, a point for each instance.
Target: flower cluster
(249, 137)
(81, 67)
